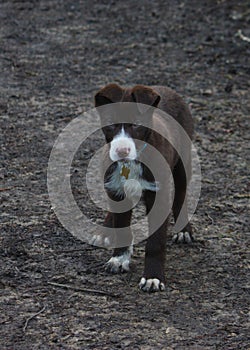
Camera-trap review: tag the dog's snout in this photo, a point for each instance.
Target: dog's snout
(122, 147)
(122, 152)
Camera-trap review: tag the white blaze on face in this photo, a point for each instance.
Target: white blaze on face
(122, 147)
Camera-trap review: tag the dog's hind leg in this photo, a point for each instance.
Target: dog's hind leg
(181, 176)
(102, 239)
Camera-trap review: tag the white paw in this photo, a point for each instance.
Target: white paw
(151, 285)
(183, 237)
(119, 263)
(100, 241)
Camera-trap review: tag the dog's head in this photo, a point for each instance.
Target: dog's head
(121, 135)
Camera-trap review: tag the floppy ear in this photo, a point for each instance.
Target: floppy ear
(145, 95)
(109, 94)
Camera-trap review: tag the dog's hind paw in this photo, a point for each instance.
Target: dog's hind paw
(183, 237)
(151, 285)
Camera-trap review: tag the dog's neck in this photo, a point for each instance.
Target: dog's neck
(121, 176)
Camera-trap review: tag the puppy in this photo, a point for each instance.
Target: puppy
(127, 177)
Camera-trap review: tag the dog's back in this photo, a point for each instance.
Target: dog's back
(173, 104)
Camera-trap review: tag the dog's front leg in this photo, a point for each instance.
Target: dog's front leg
(123, 235)
(153, 277)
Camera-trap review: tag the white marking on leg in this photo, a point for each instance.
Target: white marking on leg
(183, 237)
(100, 240)
(151, 285)
(120, 263)
(187, 237)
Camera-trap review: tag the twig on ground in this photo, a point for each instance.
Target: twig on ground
(84, 290)
(212, 220)
(31, 317)
(6, 188)
(242, 36)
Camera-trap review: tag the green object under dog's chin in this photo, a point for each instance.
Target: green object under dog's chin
(125, 171)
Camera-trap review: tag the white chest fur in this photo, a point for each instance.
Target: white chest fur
(127, 178)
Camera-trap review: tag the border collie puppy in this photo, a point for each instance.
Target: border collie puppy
(126, 146)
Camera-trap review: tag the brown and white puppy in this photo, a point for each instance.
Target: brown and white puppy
(122, 148)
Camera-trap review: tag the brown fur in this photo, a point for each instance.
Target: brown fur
(170, 102)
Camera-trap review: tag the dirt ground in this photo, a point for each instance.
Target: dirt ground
(54, 55)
